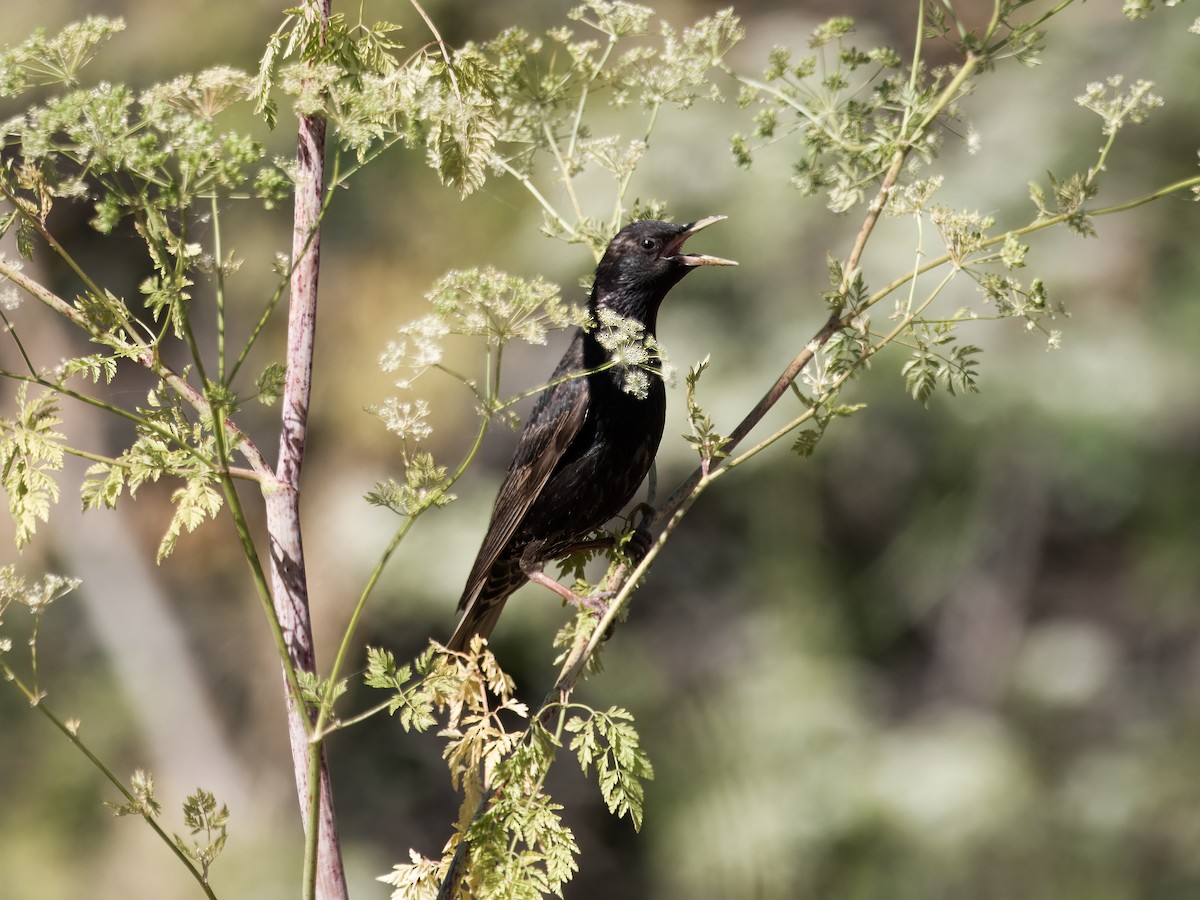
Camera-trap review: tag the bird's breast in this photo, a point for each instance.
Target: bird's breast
(608, 459)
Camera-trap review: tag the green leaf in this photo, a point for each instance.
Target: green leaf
(921, 375)
(94, 367)
(415, 704)
(44, 60)
(704, 435)
(424, 487)
(1070, 195)
(743, 157)
(610, 742)
(806, 442)
(313, 689)
(194, 502)
(169, 297)
(519, 844)
(31, 452)
(270, 383)
(201, 815)
(960, 373)
(97, 492)
(144, 803)
(461, 121)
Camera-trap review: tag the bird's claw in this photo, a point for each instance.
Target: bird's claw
(646, 511)
(597, 602)
(641, 539)
(639, 545)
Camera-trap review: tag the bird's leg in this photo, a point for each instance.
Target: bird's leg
(532, 562)
(637, 547)
(535, 574)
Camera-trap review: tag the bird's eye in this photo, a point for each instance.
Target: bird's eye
(649, 244)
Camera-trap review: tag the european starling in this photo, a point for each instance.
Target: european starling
(589, 442)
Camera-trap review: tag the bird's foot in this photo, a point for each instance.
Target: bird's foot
(642, 538)
(596, 603)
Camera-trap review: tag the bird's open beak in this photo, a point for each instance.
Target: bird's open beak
(672, 250)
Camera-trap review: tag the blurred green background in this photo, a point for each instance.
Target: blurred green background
(955, 654)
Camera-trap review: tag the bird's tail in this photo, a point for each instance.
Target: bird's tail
(479, 619)
(483, 601)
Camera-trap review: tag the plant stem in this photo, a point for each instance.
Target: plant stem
(8, 327)
(323, 874)
(1176, 187)
(537, 195)
(144, 355)
(219, 269)
(343, 652)
(72, 735)
(441, 46)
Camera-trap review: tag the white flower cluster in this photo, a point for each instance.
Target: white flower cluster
(408, 421)
(10, 299)
(418, 348)
(636, 354)
(1133, 107)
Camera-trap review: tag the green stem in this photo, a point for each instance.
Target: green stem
(838, 383)
(61, 252)
(96, 457)
(145, 356)
(623, 185)
(441, 45)
(1033, 227)
(8, 326)
(368, 713)
(72, 735)
(259, 325)
(994, 49)
(573, 666)
(146, 424)
(537, 195)
(577, 123)
(815, 119)
(312, 818)
(915, 67)
(185, 325)
(326, 710)
(564, 170)
(257, 572)
(570, 376)
(52, 242)
(33, 656)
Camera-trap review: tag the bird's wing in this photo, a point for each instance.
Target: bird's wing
(547, 435)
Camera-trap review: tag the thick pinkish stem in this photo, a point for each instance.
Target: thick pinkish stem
(289, 584)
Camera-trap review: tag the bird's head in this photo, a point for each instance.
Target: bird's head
(643, 262)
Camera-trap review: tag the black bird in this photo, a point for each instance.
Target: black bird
(588, 443)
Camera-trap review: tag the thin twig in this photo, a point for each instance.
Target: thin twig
(144, 356)
(72, 735)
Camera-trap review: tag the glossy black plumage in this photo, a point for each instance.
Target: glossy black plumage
(588, 444)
